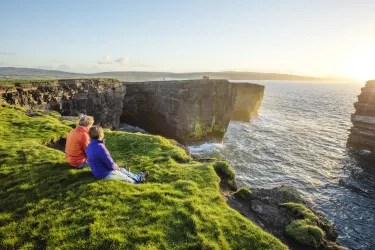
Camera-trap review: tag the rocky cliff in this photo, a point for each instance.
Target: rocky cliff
(101, 98)
(189, 111)
(249, 96)
(362, 134)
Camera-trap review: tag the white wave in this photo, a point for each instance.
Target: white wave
(206, 149)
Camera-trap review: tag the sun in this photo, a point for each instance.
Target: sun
(361, 66)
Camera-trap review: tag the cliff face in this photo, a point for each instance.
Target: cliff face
(189, 111)
(249, 96)
(101, 98)
(362, 134)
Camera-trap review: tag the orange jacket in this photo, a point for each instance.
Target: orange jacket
(76, 143)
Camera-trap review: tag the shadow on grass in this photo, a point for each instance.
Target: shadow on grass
(28, 175)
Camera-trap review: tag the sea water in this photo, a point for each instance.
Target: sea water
(299, 139)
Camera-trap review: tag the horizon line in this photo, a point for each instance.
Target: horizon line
(187, 72)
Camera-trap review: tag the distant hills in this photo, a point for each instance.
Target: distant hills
(32, 73)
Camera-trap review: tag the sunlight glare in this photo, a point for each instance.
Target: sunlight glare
(361, 66)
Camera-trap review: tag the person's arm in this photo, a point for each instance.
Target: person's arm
(107, 160)
(85, 140)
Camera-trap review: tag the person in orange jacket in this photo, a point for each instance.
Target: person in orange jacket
(77, 141)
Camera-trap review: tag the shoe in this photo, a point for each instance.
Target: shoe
(144, 175)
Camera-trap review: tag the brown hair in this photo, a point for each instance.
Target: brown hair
(96, 132)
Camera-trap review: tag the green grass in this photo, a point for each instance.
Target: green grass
(46, 204)
(50, 80)
(306, 230)
(227, 175)
(224, 168)
(2, 81)
(243, 193)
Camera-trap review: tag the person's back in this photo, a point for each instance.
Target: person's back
(76, 143)
(99, 159)
(101, 162)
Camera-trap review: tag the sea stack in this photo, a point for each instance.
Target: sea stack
(249, 96)
(362, 134)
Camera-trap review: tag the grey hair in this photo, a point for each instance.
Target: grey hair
(85, 120)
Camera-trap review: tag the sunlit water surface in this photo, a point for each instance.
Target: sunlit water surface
(299, 139)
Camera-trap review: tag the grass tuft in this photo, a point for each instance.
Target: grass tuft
(225, 168)
(243, 193)
(305, 230)
(227, 175)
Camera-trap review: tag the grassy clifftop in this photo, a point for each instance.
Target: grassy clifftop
(47, 204)
(51, 80)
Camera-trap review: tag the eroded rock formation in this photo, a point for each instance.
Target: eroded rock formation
(101, 98)
(249, 96)
(362, 134)
(189, 111)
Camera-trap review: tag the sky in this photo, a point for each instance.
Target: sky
(315, 38)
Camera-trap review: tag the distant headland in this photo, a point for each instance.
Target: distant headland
(32, 73)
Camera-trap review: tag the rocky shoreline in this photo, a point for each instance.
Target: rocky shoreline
(280, 211)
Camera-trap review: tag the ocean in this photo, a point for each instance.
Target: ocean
(299, 139)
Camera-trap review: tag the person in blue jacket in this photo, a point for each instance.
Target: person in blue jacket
(101, 162)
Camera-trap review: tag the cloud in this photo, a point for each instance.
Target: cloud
(57, 61)
(7, 54)
(106, 60)
(123, 61)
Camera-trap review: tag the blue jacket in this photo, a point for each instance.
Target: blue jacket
(99, 159)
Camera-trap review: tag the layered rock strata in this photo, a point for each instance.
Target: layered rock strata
(189, 111)
(362, 134)
(249, 97)
(101, 98)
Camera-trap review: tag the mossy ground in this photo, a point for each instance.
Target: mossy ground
(243, 193)
(46, 204)
(306, 230)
